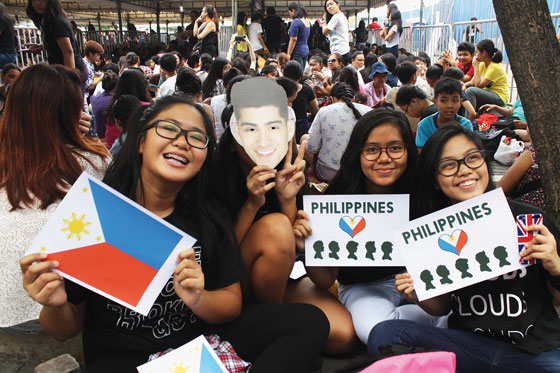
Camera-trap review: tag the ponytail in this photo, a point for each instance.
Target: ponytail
(487, 46)
(343, 92)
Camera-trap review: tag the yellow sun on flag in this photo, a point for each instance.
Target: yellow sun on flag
(179, 368)
(76, 227)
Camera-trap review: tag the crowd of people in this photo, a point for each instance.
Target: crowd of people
(357, 118)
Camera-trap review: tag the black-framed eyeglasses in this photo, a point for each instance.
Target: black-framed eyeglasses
(170, 130)
(450, 167)
(395, 150)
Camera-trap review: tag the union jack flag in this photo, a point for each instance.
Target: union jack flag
(523, 235)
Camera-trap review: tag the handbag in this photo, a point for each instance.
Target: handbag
(508, 150)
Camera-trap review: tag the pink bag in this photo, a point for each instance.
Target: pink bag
(433, 362)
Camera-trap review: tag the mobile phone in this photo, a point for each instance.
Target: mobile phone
(319, 22)
(239, 38)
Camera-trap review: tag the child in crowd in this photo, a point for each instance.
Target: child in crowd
(380, 159)
(465, 54)
(489, 84)
(433, 74)
(163, 166)
(524, 340)
(414, 102)
(448, 95)
(466, 110)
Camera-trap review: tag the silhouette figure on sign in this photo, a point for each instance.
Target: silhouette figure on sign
(463, 266)
(501, 254)
(352, 247)
(370, 249)
(319, 247)
(387, 248)
(443, 272)
(427, 277)
(483, 260)
(334, 248)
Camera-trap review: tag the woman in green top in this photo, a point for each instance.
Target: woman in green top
(489, 84)
(241, 47)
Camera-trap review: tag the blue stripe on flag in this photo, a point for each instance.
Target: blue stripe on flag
(132, 231)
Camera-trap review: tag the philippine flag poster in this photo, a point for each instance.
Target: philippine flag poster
(111, 245)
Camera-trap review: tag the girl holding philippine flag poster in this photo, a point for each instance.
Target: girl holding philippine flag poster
(380, 159)
(163, 165)
(504, 324)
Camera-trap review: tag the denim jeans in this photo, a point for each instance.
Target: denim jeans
(474, 353)
(301, 59)
(478, 97)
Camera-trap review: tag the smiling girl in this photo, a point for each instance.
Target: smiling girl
(163, 165)
(453, 168)
(380, 158)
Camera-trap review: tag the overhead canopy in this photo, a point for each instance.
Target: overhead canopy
(143, 11)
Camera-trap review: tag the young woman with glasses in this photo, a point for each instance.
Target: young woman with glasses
(380, 159)
(163, 165)
(518, 329)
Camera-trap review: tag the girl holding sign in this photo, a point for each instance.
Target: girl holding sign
(504, 324)
(380, 159)
(163, 165)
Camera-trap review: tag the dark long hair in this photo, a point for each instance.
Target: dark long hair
(40, 141)
(350, 179)
(4, 15)
(349, 75)
(396, 19)
(300, 10)
(344, 92)
(329, 16)
(214, 74)
(54, 11)
(192, 201)
(131, 82)
(426, 198)
(487, 46)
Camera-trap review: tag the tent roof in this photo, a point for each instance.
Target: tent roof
(85, 11)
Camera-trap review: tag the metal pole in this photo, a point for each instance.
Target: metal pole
(119, 11)
(368, 11)
(421, 10)
(183, 20)
(158, 30)
(98, 21)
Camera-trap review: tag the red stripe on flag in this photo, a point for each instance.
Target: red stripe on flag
(108, 269)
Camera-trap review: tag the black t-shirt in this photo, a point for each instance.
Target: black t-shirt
(516, 307)
(301, 103)
(271, 26)
(432, 109)
(7, 37)
(116, 338)
(54, 29)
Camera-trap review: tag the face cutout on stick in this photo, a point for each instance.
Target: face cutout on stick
(260, 122)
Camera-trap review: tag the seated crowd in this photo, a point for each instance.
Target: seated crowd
(363, 123)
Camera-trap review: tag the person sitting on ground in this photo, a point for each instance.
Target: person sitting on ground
(122, 111)
(270, 71)
(107, 69)
(466, 110)
(415, 103)
(489, 84)
(366, 71)
(514, 111)
(448, 96)
(465, 54)
(407, 73)
(389, 60)
(133, 62)
(377, 89)
(219, 102)
(331, 129)
(9, 74)
(304, 102)
(100, 105)
(168, 67)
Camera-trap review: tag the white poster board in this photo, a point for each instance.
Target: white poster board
(354, 230)
(461, 245)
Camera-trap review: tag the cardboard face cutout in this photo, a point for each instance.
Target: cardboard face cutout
(260, 121)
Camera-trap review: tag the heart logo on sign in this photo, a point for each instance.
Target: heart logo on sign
(352, 226)
(453, 243)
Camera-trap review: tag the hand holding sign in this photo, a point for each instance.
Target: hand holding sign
(42, 285)
(543, 247)
(405, 287)
(188, 279)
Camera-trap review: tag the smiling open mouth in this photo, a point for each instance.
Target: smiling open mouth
(176, 158)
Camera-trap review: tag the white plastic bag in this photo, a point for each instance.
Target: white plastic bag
(508, 150)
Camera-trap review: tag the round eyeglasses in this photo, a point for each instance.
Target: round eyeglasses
(170, 130)
(395, 150)
(450, 167)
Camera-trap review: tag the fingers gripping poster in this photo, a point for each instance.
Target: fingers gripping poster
(354, 230)
(461, 245)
